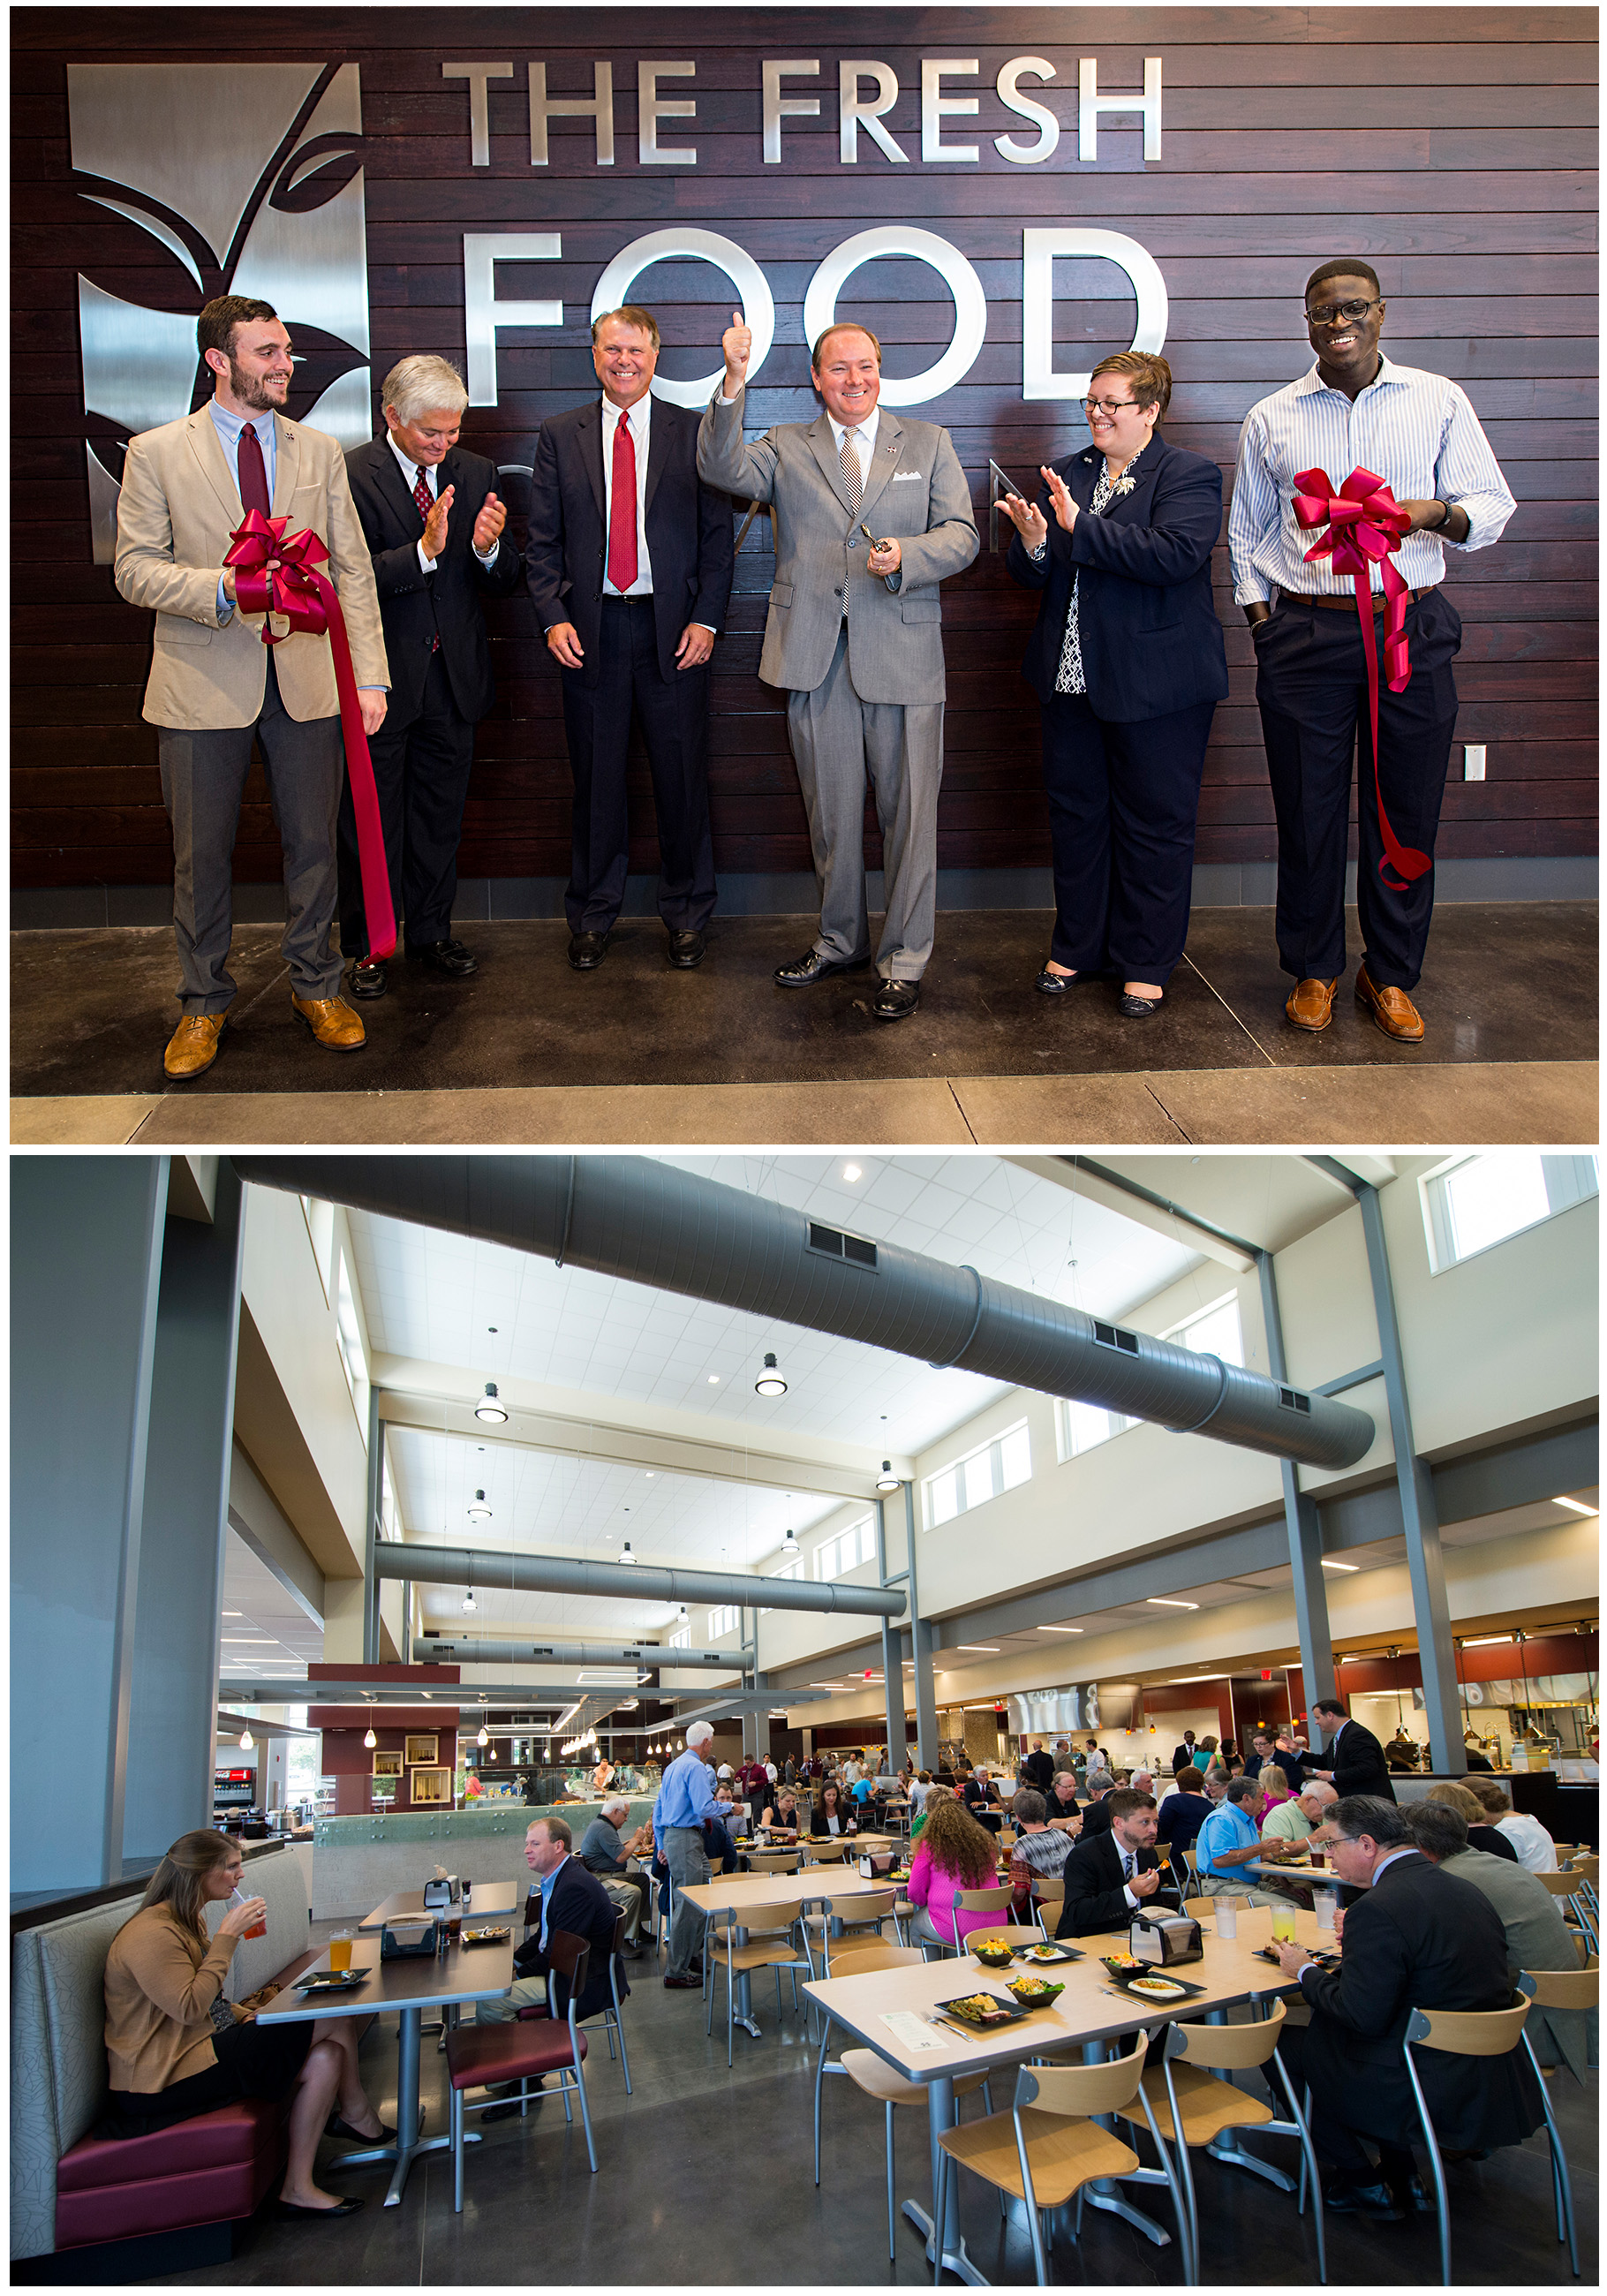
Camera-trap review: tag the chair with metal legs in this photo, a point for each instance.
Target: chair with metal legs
(526, 2049)
(980, 1901)
(1202, 2106)
(861, 1915)
(1047, 1899)
(1558, 1989)
(1472, 2033)
(875, 2077)
(770, 1946)
(1569, 1884)
(1049, 2146)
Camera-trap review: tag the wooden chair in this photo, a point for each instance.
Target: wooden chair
(1475, 2033)
(860, 1915)
(829, 1852)
(1559, 1989)
(980, 1901)
(770, 1947)
(1014, 1934)
(1202, 2106)
(876, 2078)
(1569, 1885)
(1050, 1895)
(1049, 2146)
(1585, 1866)
(524, 2049)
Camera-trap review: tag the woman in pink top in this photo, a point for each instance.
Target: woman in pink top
(954, 1853)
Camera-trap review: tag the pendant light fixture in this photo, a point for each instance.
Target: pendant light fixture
(246, 1739)
(887, 1480)
(488, 1409)
(483, 1736)
(369, 1740)
(769, 1381)
(469, 1600)
(479, 1511)
(789, 1546)
(626, 1555)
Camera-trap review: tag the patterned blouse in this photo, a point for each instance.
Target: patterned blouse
(1070, 679)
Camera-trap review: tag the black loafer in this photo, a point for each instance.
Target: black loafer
(586, 950)
(348, 2207)
(335, 2126)
(896, 1000)
(1054, 984)
(814, 967)
(1367, 2200)
(1412, 2197)
(368, 977)
(1139, 1008)
(686, 949)
(450, 957)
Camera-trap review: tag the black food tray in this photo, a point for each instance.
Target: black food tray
(333, 1980)
(1011, 2012)
(1126, 1981)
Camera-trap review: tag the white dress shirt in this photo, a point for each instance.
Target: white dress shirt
(865, 445)
(1417, 432)
(411, 472)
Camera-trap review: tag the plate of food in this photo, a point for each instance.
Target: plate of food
(485, 1937)
(1033, 1992)
(983, 2010)
(992, 1956)
(333, 1980)
(1145, 1982)
(1052, 1949)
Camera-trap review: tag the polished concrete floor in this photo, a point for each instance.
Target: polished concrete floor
(706, 2176)
(529, 1051)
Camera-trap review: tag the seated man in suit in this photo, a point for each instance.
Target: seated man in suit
(630, 561)
(434, 527)
(1417, 1939)
(1354, 1762)
(571, 1900)
(1115, 1875)
(1096, 1814)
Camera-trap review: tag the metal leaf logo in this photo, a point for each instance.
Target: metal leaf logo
(250, 177)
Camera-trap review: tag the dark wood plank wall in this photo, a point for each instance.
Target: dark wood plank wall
(1452, 147)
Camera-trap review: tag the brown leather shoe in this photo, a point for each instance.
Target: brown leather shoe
(331, 1020)
(193, 1045)
(1310, 1003)
(1391, 1008)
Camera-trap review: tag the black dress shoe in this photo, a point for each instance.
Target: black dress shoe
(896, 1000)
(586, 950)
(335, 2126)
(368, 977)
(1054, 984)
(1370, 2199)
(450, 957)
(686, 949)
(1412, 2198)
(1139, 1008)
(346, 2208)
(814, 967)
(682, 1984)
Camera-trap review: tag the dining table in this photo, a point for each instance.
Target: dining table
(409, 1984)
(490, 1897)
(891, 2012)
(732, 1893)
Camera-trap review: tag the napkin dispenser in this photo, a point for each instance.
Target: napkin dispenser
(1163, 1943)
(408, 1941)
(443, 1891)
(875, 1864)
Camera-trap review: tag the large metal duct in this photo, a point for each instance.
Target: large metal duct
(444, 1650)
(627, 1215)
(638, 1582)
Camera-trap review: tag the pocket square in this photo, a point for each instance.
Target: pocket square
(905, 474)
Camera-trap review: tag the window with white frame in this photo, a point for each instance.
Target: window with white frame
(319, 1217)
(1213, 1331)
(1082, 1426)
(725, 1620)
(1481, 1200)
(982, 1474)
(848, 1550)
(349, 1337)
(681, 1639)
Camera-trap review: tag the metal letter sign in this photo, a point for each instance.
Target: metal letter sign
(190, 154)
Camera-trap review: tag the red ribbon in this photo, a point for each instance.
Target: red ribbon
(1364, 525)
(274, 575)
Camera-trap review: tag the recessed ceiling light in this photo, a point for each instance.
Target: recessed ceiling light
(1339, 1566)
(993, 1647)
(1171, 1603)
(714, 1379)
(1483, 1642)
(1577, 1505)
(233, 1614)
(852, 1172)
(1060, 1630)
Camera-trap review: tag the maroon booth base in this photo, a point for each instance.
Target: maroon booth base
(220, 2166)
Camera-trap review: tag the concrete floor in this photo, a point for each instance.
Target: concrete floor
(529, 1051)
(706, 2178)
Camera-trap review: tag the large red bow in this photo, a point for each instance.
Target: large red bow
(275, 574)
(1364, 526)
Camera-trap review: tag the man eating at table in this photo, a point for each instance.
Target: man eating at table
(1115, 1875)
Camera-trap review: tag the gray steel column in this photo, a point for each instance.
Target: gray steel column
(892, 1671)
(173, 1714)
(761, 1720)
(374, 1503)
(85, 1240)
(1300, 1518)
(1420, 1516)
(920, 1651)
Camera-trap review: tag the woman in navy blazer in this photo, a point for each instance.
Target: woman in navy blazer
(1127, 660)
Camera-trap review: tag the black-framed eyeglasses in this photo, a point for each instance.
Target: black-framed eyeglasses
(1324, 314)
(1106, 405)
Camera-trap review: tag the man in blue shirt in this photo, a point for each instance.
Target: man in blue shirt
(1229, 1838)
(686, 1797)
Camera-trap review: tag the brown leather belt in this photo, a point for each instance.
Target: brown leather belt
(1348, 605)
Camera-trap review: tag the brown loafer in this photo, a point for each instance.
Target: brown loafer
(1310, 1005)
(331, 1020)
(1391, 1008)
(193, 1045)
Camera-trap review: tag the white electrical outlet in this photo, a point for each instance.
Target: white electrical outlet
(1472, 761)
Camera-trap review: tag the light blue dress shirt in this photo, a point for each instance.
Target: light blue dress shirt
(686, 1796)
(229, 430)
(1226, 1828)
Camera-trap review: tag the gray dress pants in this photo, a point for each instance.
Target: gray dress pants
(688, 1864)
(837, 743)
(203, 778)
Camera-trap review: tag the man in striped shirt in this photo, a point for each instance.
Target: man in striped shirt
(1418, 432)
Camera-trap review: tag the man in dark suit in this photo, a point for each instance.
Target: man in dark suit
(566, 1897)
(434, 527)
(1096, 1813)
(1418, 1939)
(630, 561)
(1039, 1769)
(1115, 1875)
(1356, 1764)
(1184, 1753)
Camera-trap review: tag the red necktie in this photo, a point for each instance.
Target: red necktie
(426, 503)
(253, 474)
(622, 510)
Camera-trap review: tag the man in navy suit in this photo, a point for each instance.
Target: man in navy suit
(630, 561)
(433, 523)
(1115, 1875)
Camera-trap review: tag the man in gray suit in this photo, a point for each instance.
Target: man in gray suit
(854, 634)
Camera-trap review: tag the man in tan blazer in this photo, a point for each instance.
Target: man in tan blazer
(213, 684)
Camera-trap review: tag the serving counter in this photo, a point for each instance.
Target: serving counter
(357, 1861)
